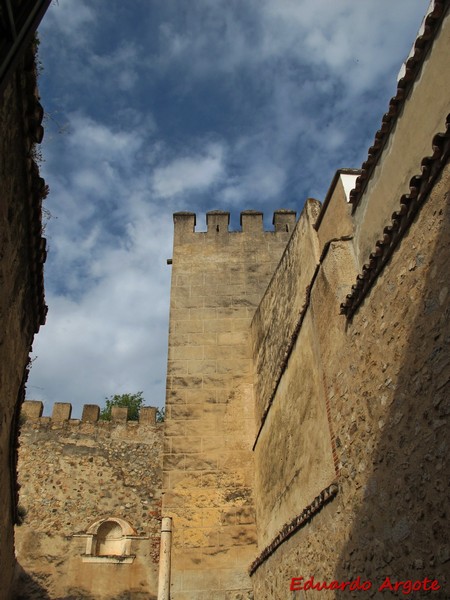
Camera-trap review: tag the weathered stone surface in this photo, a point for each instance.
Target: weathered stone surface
(386, 377)
(85, 471)
(275, 319)
(218, 279)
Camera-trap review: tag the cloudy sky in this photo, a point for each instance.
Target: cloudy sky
(155, 107)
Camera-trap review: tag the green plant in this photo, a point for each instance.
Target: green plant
(160, 414)
(133, 402)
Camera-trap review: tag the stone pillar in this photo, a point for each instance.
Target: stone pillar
(164, 559)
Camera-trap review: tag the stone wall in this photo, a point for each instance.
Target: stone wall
(218, 279)
(276, 318)
(74, 475)
(22, 252)
(334, 333)
(386, 385)
(351, 456)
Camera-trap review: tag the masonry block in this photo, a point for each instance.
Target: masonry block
(217, 221)
(32, 409)
(91, 412)
(147, 415)
(284, 220)
(119, 413)
(184, 224)
(218, 280)
(251, 221)
(61, 411)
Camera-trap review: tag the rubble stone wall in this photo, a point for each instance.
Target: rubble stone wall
(74, 473)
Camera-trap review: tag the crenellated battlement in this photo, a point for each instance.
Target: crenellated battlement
(62, 411)
(218, 222)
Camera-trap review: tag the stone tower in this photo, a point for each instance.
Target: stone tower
(218, 280)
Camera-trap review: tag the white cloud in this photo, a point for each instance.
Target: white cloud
(121, 63)
(355, 42)
(297, 81)
(74, 22)
(188, 173)
(107, 282)
(99, 141)
(111, 336)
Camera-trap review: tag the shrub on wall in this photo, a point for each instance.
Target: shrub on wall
(133, 402)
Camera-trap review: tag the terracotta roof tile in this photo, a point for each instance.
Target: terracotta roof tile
(410, 204)
(410, 71)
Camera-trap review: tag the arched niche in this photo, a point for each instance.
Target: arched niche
(109, 540)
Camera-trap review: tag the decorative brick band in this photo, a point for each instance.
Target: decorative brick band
(325, 496)
(411, 70)
(410, 204)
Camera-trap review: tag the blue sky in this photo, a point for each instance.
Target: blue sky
(155, 107)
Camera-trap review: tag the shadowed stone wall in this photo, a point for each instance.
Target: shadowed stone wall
(386, 377)
(22, 252)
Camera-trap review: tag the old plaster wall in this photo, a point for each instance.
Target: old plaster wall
(218, 280)
(335, 217)
(293, 450)
(21, 291)
(275, 319)
(74, 473)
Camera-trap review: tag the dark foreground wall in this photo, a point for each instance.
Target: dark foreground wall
(22, 252)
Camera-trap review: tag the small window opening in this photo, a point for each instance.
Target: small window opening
(217, 228)
(287, 227)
